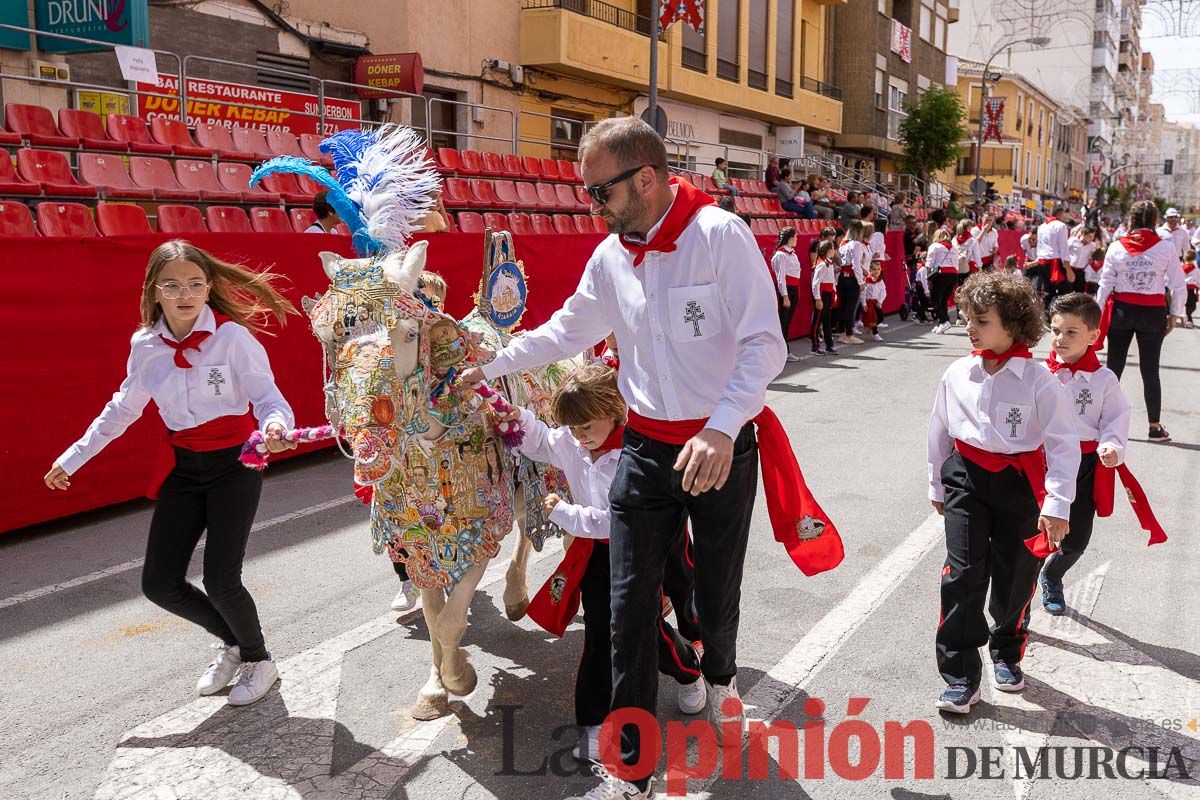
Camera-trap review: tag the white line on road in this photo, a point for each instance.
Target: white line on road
(116, 569)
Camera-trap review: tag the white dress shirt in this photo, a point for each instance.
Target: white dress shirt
(591, 517)
(1178, 237)
(1029, 250)
(823, 272)
(988, 242)
(1053, 240)
(854, 254)
(875, 291)
(1081, 253)
(941, 256)
(785, 264)
(229, 372)
(1020, 408)
(922, 277)
(968, 249)
(878, 245)
(1151, 272)
(1192, 278)
(1098, 406)
(697, 328)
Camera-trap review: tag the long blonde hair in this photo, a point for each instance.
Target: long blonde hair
(246, 297)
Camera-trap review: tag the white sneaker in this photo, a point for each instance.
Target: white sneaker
(793, 357)
(615, 789)
(884, 325)
(858, 328)
(406, 598)
(876, 338)
(854, 340)
(221, 671)
(254, 681)
(717, 695)
(693, 697)
(588, 747)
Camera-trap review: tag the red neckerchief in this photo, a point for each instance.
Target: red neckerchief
(943, 244)
(1086, 363)
(688, 201)
(191, 341)
(962, 237)
(786, 249)
(613, 442)
(874, 280)
(1187, 268)
(1050, 219)
(1018, 350)
(1140, 241)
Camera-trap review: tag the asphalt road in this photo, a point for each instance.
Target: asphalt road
(98, 697)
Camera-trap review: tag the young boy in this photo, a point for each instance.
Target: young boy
(921, 295)
(994, 412)
(874, 293)
(592, 412)
(1101, 415)
(1192, 281)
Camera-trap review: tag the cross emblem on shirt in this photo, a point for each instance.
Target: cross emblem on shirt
(1083, 400)
(215, 379)
(1013, 419)
(693, 313)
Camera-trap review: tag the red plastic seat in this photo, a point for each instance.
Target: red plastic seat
(757, 227)
(122, 219)
(599, 224)
(563, 223)
(450, 162)
(307, 185)
(252, 140)
(741, 205)
(88, 128)
(236, 178)
(569, 171)
(310, 146)
(567, 199)
(107, 173)
(66, 220)
(548, 168)
(341, 229)
(11, 183)
(180, 219)
(493, 166)
(167, 130)
(36, 124)
(133, 132)
(518, 222)
(270, 219)
(156, 173)
(201, 177)
(284, 143)
(582, 196)
(457, 193)
(506, 193)
(218, 139)
(227, 219)
(472, 164)
(531, 167)
(470, 222)
(16, 219)
(302, 218)
(51, 169)
(529, 199)
(9, 138)
(583, 223)
(484, 193)
(284, 184)
(495, 221)
(514, 165)
(541, 223)
(550, 199)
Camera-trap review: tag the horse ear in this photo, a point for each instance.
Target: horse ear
(329, 261)
(405, 271)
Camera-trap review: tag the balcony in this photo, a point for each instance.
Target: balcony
(589, 39)
(756, 80)
(821, 88)
(727, 70)
(695, 59)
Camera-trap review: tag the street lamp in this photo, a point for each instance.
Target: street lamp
(978, 186)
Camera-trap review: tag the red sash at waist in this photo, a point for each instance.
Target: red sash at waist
(1057, 275)
(216, 434)
(1031, 464)
(951, 270)
(1136, 299)
(826, 287)
(1104, 491)
(792, 281)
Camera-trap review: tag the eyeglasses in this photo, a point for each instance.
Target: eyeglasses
(173, 291)
(599, 191)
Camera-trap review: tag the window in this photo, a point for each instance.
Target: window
(785, 18)
(566, 129)
(902, 12)
(1041, 124)
(443, 118)
(759, 23)
(1037, 171)
(1028, 163)
(927, 21)
(941, 28)
(695, 49)
(897, 98)
(880, 80)
(727, 39)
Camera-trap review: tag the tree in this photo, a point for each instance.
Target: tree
(932, 133)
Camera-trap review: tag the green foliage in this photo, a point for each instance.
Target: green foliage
(932, 133)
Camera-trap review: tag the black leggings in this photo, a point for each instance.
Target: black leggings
(1190, 308)
(942, 286)
(822, 322)
(848, 293)
(786, 314)
(214, 492)
(1149, 325)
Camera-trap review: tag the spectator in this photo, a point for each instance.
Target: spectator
(721, 179)
(849, 210)
(804, 198)
(773, 176)
(327, 218)
(898, 213)
(819, 197)
(911, 234)
(790, 199)
(954, 211)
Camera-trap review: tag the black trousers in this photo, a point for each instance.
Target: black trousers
(848, 292)
(206, 491)
(1083, 516)
(988, 517)
(942, 286)
(920, 302)
(1190, 306)
(401, 570)
(593, 681)
(648, 508)
(1149, 325)
(822, 322)
(786, 314)
(679, 584)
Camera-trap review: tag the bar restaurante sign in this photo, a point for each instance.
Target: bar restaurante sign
(389, 72)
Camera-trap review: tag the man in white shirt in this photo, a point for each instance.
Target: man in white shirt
(1175, 233)
(987, 239)
(684, 288)
(1054, 275)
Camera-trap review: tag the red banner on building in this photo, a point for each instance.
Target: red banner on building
(902, 41)
(1095, 170)
(229, 104)
(993, 119)
(690, 11)
(389, 73)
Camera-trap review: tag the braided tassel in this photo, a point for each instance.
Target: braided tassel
(254, 452)
(510, 432)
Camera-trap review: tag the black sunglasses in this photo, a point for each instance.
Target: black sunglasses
(599, 191)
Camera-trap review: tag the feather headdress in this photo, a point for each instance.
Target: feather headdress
(384, 185)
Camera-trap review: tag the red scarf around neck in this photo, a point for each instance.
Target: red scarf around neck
(614, 440)
(1187, 268)
(688, 201)
(1140, 241)
(192, 341)
(1018, 350)
(1088, 362)
(962, 238)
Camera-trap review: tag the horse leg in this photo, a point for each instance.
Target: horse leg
(458, 676)
(516, 592)
(432, 700)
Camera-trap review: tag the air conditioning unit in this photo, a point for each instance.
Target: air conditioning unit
(49, 71)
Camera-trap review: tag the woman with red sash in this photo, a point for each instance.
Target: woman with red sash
(194, 355)
(1003, 457)
(785, 265)
(1139, 269)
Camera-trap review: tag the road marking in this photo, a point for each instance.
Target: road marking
(117, 569)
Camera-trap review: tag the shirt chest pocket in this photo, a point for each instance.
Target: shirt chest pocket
(1012, 419)
(212, 382)
(694, 312)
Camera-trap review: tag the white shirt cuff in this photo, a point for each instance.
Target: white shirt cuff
(727, 420)
(1055, 507)
(71, 460)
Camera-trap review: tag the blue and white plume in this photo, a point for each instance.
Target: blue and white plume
(384, 186)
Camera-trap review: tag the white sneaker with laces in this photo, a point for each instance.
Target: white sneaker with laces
(406, 598)
(588, 746)
(793, 357)
(717, 697)
(615, 789)
(693, 697)
(876, 338)
(254, 681)
(858, 328)
(221, 671)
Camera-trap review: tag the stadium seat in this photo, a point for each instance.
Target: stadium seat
(484, 193)
(36, 124)
(459, 191)
(122, 219)
(270, 219)
(66, 220)
(600, 225)
(548, 167)
(541, 223)
(506, 193)
(741, 205)
(283, 143)
(7, 137)
(180, 219)
(529, 198)
(569, 171)
(307, 185)
(341, 229)
(133, 132)
(284, 184)
(518, 222)
(563, 223)
(583, 223)
(167, 130)
(531, 167)
(51, 169)
(310, 146)
(567, 199)
(11, 183)
(88, 128)
(470, 222)
(156, 173)
(757, 228)
(107, 173)
(472, 164)
(515, 166)
(200, 176)
(549, 198)
(495, 221)
(236, 178)
(218, 139)
(582, 196)
(302, 218)
(227, 219)
(493, 166)
(16, 219)
(251, 140)
(448, 161)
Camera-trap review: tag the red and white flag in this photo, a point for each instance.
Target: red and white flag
(993, 119)
(690, 11)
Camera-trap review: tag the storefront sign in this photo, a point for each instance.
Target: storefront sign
(388, 73)
(113, 21)
(789, 141)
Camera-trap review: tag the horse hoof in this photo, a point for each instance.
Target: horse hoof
(461, 685)
(517, 611)
(430, 706)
